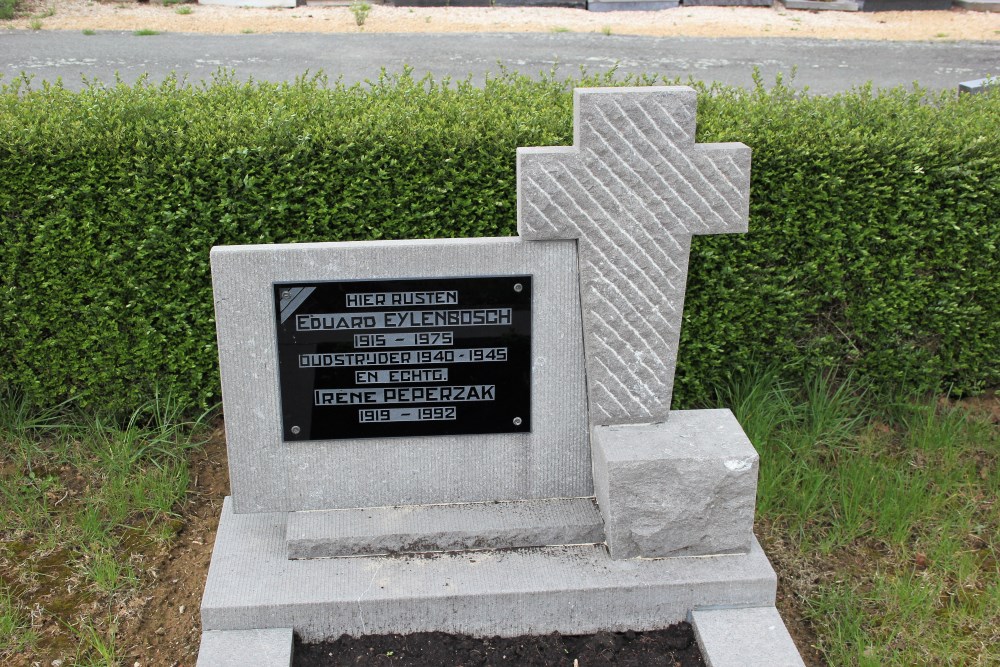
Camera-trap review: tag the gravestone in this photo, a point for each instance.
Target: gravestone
(475, 435)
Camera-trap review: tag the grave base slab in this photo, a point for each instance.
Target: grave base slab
(728, 3)
(631, 5)
(237, 648)
(752, 637)
(572, 589)
(372, 531)
(822, 5)
(268, 4)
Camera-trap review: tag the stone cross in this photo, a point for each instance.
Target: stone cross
(632, 189)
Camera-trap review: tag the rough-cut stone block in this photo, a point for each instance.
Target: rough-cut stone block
(752, 637)
(632, 190)
(685, 487)
(573, 590)
(239, 648)
(267, 474)
(426, 528)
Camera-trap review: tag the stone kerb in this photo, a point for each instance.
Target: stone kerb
(632, 190)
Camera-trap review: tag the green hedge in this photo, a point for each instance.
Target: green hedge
(873, 244)
(7, 8)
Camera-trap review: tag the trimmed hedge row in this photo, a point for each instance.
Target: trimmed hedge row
(873, 244)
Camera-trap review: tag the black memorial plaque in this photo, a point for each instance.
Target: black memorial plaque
(393, 358)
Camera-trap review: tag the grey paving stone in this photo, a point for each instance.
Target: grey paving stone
(631, 5)
(729, 3)
(239, 648)
(904, 5)
(752, 637)
(427, 528)
(979, 5)
(251, 3)
(579, 589)
(821, 5)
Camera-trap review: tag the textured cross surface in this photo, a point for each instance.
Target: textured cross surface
(632, 189)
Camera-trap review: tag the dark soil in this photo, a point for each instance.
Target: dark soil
(673, 647)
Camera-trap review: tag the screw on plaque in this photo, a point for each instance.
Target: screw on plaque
(285, 294)
(517, 421)
(518, 287)
(296, 430)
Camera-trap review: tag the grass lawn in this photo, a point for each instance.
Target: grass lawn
(879, 513)
(85, 506)
(881, 517)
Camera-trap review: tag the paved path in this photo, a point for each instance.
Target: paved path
(824, 66)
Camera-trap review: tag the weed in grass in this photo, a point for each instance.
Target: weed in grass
(360, 11)
(931, 428)
(158, 489)
(831, 413)
(24, 426)
(183, 11)
(761, 401)
(89, 32)
(15, 626)
(93, 530)
(35, 24)
(560, 29)
(164, 532)
(246, 31)
(145, 32)
(840, 616)
(97, 646)
(606, 31)
(26, 503)
(108, 572)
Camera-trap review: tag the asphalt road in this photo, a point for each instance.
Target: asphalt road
(824, 66)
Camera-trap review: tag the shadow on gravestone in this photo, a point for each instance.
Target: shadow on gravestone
(497, 407)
